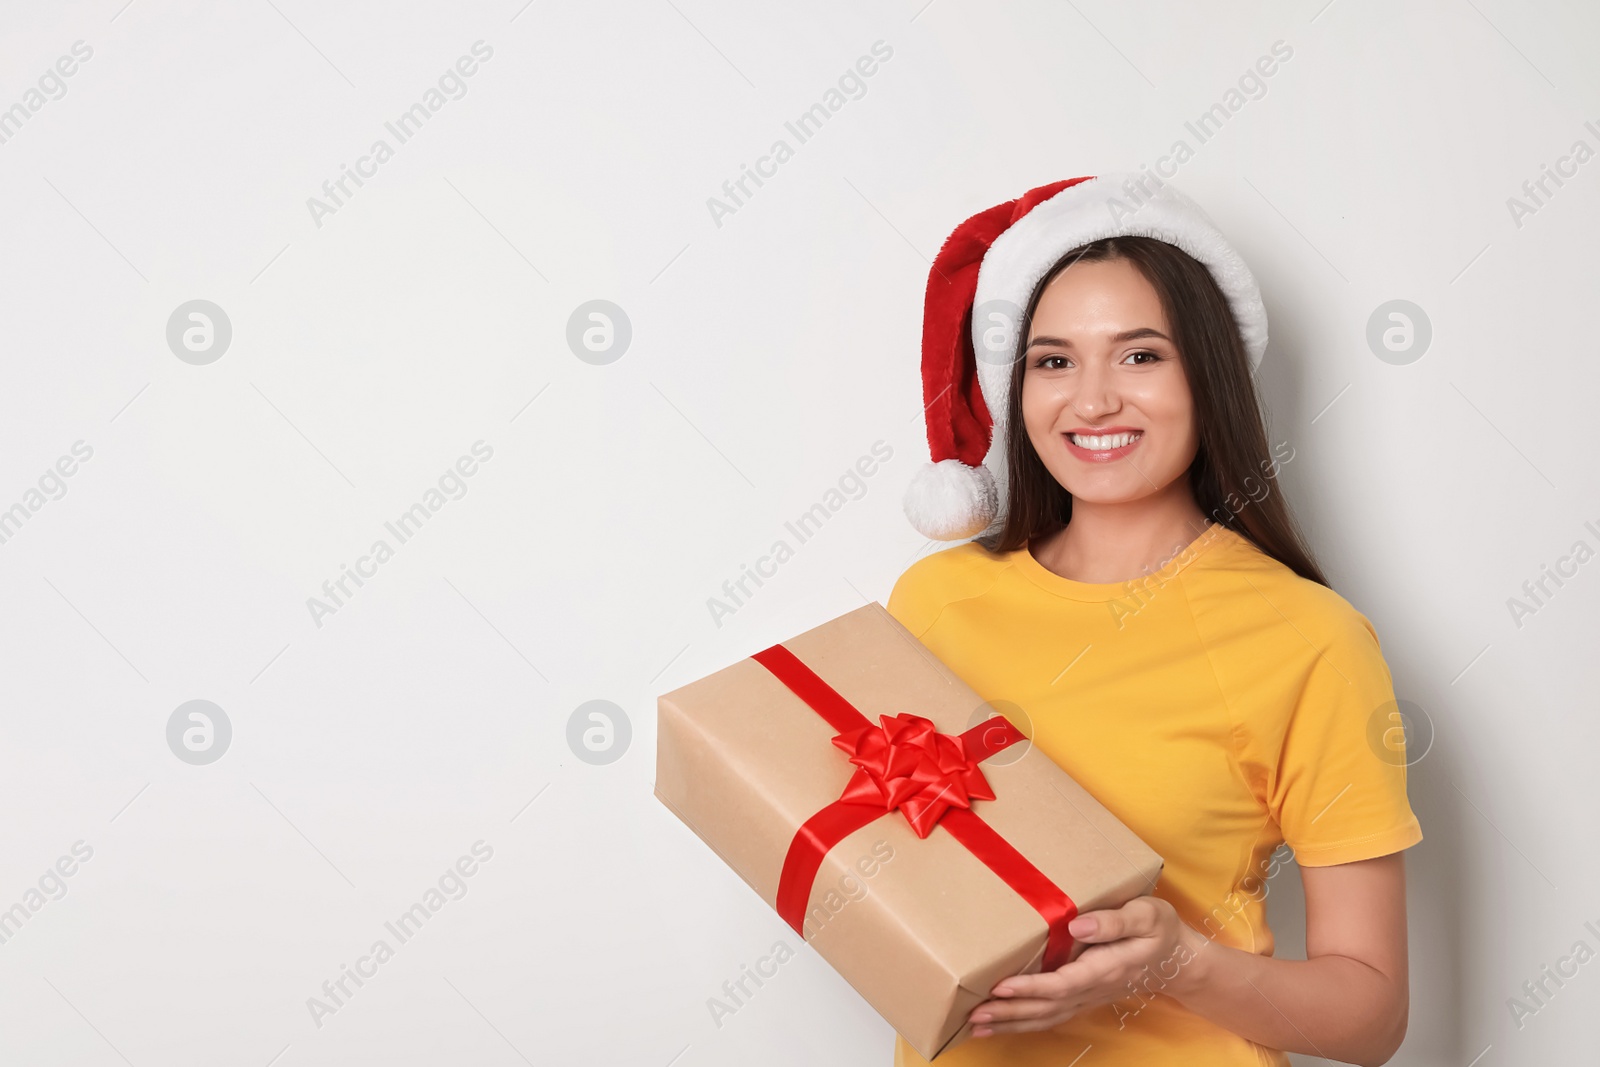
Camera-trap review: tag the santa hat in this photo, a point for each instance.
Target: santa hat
(978, 290)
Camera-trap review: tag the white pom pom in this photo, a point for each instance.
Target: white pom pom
(949, 500)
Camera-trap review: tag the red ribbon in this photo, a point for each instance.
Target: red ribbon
(906, 764)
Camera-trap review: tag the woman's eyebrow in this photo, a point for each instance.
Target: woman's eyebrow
(1125, 335)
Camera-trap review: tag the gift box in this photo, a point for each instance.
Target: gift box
(917, 841)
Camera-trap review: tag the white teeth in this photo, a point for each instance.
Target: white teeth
(1101, 444)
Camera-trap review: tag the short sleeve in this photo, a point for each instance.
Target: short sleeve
(1339, 790)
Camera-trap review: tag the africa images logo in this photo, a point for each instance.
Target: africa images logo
(451, 85)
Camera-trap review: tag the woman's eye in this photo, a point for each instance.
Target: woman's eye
(1061, 362)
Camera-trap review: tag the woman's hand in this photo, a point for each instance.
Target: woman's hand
(1123, 942)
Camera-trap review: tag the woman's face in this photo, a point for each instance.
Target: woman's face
(1099, 363)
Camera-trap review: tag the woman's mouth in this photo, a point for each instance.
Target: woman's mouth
(1102, 448)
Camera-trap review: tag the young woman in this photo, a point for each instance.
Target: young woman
(1143, 597)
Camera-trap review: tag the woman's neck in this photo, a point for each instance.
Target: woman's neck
(1119, 542)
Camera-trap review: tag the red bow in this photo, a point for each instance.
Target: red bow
(907, 764)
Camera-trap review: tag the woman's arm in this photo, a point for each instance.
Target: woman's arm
(1348, 1000)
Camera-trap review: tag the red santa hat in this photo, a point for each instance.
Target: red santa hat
(978, 290)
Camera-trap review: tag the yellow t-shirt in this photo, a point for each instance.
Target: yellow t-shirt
(1220, 706)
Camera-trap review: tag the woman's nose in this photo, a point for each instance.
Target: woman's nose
(1094, 392)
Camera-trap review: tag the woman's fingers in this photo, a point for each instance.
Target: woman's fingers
(1123, 939)
(1137, 918)
(1015, 1016)
(1088, 971)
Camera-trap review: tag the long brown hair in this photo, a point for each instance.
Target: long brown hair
(1233, 470)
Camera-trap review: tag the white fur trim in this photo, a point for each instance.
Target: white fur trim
(1109, 205)
(950, 501)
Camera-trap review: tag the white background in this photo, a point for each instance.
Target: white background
(768, 354)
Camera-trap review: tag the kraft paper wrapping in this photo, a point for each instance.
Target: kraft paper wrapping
(743, 761)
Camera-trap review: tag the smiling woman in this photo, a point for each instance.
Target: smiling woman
(1108, 329)
(1115, 442)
